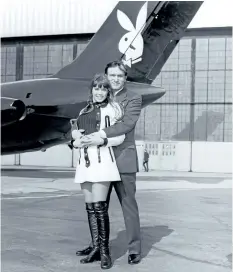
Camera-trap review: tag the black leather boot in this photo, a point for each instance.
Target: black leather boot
(94, 252)
(101, 211)
(84, 251)
(90, 213)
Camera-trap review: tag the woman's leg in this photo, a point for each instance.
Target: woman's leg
(87, 191)
(100, 191)
(99, 194)
(94, 251)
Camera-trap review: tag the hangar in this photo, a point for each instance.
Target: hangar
(189, 129)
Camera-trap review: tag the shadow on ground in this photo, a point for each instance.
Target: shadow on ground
(150, 236)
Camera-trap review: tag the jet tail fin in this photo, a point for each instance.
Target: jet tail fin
(165, 26)
(142, 34)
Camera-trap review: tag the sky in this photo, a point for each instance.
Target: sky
(213, 13)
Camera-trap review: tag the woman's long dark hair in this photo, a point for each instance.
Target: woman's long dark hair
(101, 81)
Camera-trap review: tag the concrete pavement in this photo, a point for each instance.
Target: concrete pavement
(185, 223)
(154, 173)
(48, 180)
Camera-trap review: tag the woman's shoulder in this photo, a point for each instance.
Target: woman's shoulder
(114, 111)
(111, 108)
(108, 108)
(108, 111)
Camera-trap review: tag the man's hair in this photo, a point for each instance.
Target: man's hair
(116, 63)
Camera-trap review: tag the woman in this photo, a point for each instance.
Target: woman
(96, 166)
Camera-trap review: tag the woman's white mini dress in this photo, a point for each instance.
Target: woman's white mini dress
(103, 167)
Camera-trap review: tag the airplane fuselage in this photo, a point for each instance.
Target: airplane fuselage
(49, 105)
(36, 113)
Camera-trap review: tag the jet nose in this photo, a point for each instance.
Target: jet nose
(149, 93)
(149, 98)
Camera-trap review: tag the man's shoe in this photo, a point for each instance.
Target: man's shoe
(134, 258)
(84, 252)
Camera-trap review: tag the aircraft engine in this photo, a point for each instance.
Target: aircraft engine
(12, 110)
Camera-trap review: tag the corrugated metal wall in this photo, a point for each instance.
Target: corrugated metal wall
(54, 17)
(50, 17)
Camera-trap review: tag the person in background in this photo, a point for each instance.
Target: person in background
(146, 160)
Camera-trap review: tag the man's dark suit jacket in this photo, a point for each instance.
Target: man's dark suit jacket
(126, 153)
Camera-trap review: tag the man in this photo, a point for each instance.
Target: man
(126, 157)
(146, 160)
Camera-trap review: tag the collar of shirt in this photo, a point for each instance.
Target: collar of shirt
(102, 104)
(118, 91)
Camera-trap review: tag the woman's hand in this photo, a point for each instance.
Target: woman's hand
(93, 139)
(78, 143)
(81, 141)
(77, 134)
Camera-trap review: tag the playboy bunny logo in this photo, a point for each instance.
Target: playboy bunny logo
(131, 44)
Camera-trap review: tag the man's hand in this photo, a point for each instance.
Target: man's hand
(93, 139)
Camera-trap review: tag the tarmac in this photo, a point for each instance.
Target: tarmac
(186, 222)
